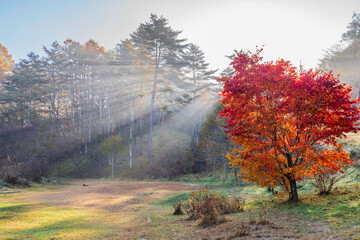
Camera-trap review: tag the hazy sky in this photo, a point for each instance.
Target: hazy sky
(289, 29)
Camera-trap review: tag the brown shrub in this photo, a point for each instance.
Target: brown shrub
(178, 208)
(208, 206)
(241, 231)
(325, 181)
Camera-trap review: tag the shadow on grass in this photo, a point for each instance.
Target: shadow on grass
(8, 210)
(79, 226)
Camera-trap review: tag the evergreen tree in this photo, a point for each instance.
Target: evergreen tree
(353, 29)
(54, 64)
(196, 66)
(163, 45)
(344, 58)
(25, 91)
(213, 139)
(129, 61)
(197, 69)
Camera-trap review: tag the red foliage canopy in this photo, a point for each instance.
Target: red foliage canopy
(285, 122)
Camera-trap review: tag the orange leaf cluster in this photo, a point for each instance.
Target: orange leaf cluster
(285, 123)
(6, 62)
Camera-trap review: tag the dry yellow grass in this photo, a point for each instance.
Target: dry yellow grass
(105, 209)
(130, 210)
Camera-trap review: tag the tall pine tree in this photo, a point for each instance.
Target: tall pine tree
(163, 45)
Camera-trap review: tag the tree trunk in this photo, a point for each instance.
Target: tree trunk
(141, 140)
(112, 167)
(101, 115)
(29, 109)
(192, 142)
(293, 196)
(160, 117)
(225, 176)
(162, 120)
(149, 150)
(140, 151)
(131, 130)
(53, 104)
(193, 127)
(89, 125)
(109, 127)
(198, 130)
(213, 174)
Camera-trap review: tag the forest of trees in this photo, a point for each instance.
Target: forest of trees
(146, 108)
(71, 109)
(344, 57)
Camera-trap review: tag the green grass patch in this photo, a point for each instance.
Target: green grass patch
(20, 219)
(173, 199)
(230, 186)
(341, 209)
(10, 210)
(39, 221)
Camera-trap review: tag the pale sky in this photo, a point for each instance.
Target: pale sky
(289, 29)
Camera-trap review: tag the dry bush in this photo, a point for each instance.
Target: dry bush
(262, 219)
(238, 204)
(34, 168)
(325, 181)
(231, 205)
(241, 231)
(209, 211)
(10, 171)
(252, 219)
(208, 206)
(178, 208)
(193, 205)
(203, 205)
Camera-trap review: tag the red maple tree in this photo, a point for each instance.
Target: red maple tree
(285, 122)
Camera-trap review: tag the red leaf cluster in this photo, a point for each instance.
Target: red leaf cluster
(285, 122)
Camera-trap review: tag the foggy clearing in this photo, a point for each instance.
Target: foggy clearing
(128, 210)
(179, 120)
(108, 195)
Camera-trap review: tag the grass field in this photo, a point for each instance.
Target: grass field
(103, 210)
(143, 210)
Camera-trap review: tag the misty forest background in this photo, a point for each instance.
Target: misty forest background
(145, 109)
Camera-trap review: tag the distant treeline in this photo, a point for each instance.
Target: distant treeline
(56, 111)
(142, 109)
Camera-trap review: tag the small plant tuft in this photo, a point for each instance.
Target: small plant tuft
(325, 181)
(241, 231)
(178, 208)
